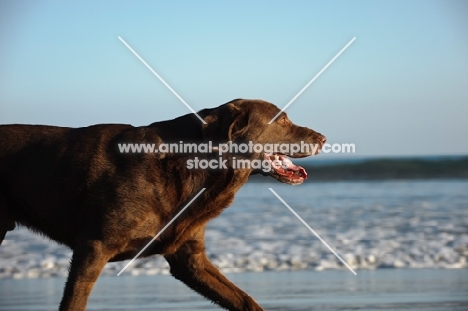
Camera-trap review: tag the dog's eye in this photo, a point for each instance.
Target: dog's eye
(283, 120)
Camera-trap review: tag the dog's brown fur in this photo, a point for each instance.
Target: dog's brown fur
(74, 186)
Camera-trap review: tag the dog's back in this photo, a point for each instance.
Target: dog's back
(44, 172)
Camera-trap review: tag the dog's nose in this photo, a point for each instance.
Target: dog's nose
(322, 139)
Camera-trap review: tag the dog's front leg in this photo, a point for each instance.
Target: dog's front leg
(86, 265)
(191, 266)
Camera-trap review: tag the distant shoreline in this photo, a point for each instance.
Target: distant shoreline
(355, 169)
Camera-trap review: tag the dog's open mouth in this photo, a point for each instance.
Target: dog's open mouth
(284, 170)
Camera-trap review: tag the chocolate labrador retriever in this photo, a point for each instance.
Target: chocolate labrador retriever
(77, 187)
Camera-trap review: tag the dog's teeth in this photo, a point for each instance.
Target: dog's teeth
(276, 157)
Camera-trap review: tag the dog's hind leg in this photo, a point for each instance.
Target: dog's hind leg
(191, 266)
(3, 222)
(6, 222)
(87, 262)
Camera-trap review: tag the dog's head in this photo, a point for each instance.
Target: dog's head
(247, 122)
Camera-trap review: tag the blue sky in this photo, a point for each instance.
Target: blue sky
(400, 89)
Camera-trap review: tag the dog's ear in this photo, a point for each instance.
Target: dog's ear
(225, 123)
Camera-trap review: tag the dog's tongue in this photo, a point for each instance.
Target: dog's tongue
(287, 164)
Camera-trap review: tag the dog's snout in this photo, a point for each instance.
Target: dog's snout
(321, 138)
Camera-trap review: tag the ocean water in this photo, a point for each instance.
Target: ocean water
(371, 225)
(407, 241)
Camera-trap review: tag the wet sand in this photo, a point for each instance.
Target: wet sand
(382, 289)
